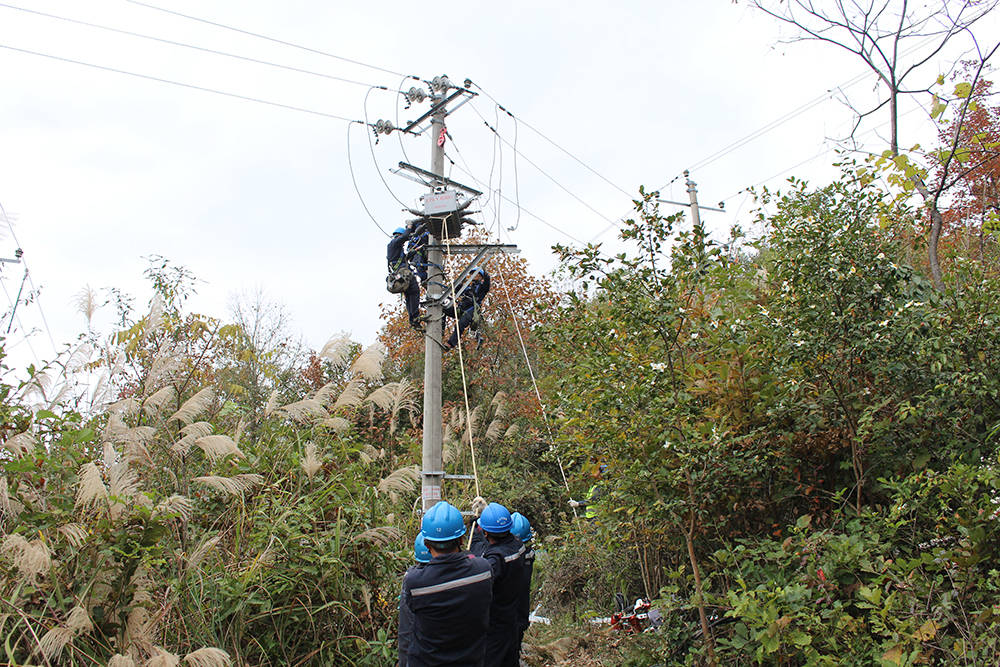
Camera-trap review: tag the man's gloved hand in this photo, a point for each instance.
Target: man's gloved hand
(478, 505)
(574, 503)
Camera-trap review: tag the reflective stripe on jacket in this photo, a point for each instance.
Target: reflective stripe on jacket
(450, 601)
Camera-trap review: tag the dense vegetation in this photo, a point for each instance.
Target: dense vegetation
(799, 433)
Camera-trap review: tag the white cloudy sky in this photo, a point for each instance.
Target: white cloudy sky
(99, 169)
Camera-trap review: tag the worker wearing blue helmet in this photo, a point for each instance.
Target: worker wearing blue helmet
(521, 529)
(401, 272)
(449, 597)
(468, 304)
(493, 540)
(423, 556)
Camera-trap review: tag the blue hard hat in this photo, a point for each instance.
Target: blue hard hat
(442, 522)
(495, 519)
(399, 230)
(520, 527)
(420, 551)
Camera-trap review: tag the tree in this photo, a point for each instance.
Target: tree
(878, 32)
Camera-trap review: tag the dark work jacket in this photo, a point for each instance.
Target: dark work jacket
(474, 294)
(405, 622)
(524, 602)
(394, 251)
(450, 601)
(506, 560)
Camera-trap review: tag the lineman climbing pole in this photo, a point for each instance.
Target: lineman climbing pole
(444, 216)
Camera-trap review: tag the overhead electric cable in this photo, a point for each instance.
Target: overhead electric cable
(371, 147)
(350, 166)
(539, 169)
(190, 86)
(543, 136)
(266, 37)
(187, 46)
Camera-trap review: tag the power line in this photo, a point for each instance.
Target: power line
(546, 138)
(371, 147)
(190, 86)
(266, 37)
(187, 46)
(540, 170)
(350, 166)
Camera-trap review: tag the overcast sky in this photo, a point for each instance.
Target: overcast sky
(100, 169)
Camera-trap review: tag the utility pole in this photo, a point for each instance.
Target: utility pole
(433, 466)
(693, 201)
(444, 216)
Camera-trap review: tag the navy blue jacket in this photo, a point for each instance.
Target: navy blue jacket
(475, 293)
(394, 251)
(405, 622)
(524, 602)
(506, 560)
(450, 600)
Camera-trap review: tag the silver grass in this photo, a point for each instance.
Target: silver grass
(110, 456)
(218, 447)
(175, 504)
(53, 642)
(78, 622)
(138, 628)
(310, 462)
(336, 349)
(448, 434)
(499, 404)
(337, 424)
(165, 367)
(75, 534)
(192, 433)
(233, 486)
(208, 657)
(90, 490)
(119, 660)
(240, 427)
(9, 507)
(154, 320)
(20, 444)
(272, 403)
(202, 550)
(495, 430)
(369, 363)
(127, 407)
(85, 302)
(156, 403)
(369, 454)
(383, 396)
(450, 451)
(512, 431)
(325, 393)
(351, 397)
(456, 417)
(401, 480)
(163, 658)
(101, 391)
(194, 406)
(123, 485)
(306, 410)
(380, 536)
(30, 558)
(476, 417)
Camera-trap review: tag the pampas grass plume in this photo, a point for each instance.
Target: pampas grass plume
(119, 660)
(336, 349)
(218, 447)
(369, 363)
(208, 657)
(163, 658)
(194, 406)
(20, 444)
(310, 462)
(90, 489)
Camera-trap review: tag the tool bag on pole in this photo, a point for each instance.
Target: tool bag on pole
(399, 280)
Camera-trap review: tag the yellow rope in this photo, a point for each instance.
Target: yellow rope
(461, 361)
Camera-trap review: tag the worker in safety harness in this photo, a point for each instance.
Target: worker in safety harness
(467, 304)
(416, 250)
(521, 529)
(449, 597)
(493, 541)
(423, 556)
(401, 278)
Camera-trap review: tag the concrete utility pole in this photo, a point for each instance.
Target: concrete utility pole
(433, 466)
(693, 195)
